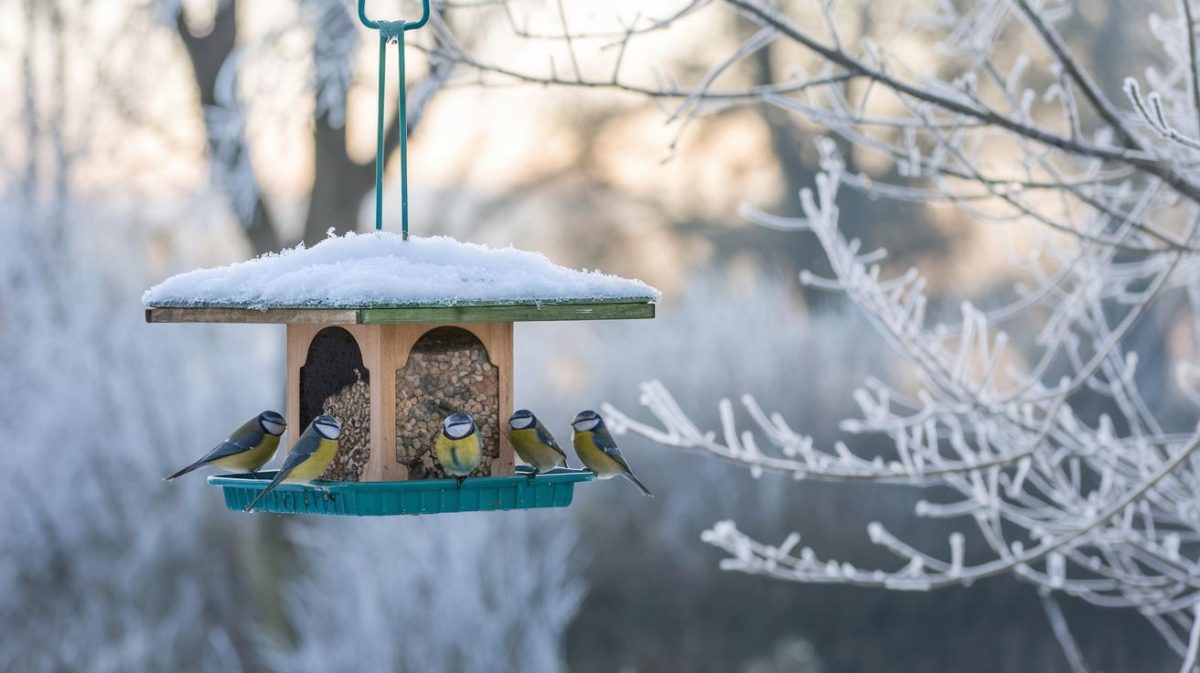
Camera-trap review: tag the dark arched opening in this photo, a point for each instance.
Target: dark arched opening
(334, 381)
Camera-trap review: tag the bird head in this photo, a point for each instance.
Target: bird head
(272, 423)
(328, 426)
(587, 421)
(458, 425)
(522, 419)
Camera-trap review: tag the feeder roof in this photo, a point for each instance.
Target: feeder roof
(380, 278)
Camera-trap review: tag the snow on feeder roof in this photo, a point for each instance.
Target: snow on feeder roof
(380, 278)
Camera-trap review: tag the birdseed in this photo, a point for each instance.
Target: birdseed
(352, 406)
(448, 371)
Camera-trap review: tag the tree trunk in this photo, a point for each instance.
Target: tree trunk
(207, 54)
(339, 183)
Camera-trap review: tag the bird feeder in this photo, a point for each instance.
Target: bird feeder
(390, 335)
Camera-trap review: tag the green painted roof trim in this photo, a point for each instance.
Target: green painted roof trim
(506, 313)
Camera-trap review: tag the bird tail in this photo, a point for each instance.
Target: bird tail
(262, 494)
(638, 482)
(185, 470)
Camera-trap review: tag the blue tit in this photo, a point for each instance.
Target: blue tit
(248, 448)
(459, 448)
(309, 458)
(534, 443)
(599, 452)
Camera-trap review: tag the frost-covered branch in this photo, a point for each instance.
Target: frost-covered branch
(1037, 423)
(974, 109)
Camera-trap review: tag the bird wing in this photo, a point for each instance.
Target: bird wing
(305, 447)
(546, 438)
(225, 449)
(608, 445)
(243, 439)
(248, 436)
(302, 451)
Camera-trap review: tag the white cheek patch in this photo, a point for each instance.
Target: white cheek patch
(520, 423)
(273, 427)
(589, 424)
(329, 431)
(458, 431)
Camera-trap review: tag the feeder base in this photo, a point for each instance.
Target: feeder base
(554, 488)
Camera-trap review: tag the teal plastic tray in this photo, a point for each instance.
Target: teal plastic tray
(555, 488)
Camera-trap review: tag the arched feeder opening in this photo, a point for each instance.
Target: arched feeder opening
(335, 381)
(448, 370)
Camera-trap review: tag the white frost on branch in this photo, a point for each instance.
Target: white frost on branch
(1058, 500)
(1041, 422)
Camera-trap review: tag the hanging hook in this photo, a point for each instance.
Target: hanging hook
(388, 31)
(408, 25)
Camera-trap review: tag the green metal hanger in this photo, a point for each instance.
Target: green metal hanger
(388, 31)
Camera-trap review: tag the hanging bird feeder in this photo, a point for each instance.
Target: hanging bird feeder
(390, 335)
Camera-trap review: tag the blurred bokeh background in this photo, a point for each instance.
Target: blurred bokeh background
(143, 138)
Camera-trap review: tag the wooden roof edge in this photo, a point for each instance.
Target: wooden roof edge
(609, 309)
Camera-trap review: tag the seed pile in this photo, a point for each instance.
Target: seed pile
(448, 370)
(352, 406)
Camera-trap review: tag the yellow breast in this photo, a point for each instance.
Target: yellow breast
(459, 457)
(593, 456)
(533, 451)
(254, 458)
(316, 464)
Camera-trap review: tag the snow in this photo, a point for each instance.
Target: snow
(381, 269)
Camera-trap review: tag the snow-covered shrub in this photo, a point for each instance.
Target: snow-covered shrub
(105, 567)
(463, 592)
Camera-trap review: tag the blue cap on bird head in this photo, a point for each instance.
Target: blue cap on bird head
(587, 420)
(521, 419)
(328, 426)
(272, 422)
(458, 425)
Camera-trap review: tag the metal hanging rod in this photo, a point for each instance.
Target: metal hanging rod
(392, 30)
